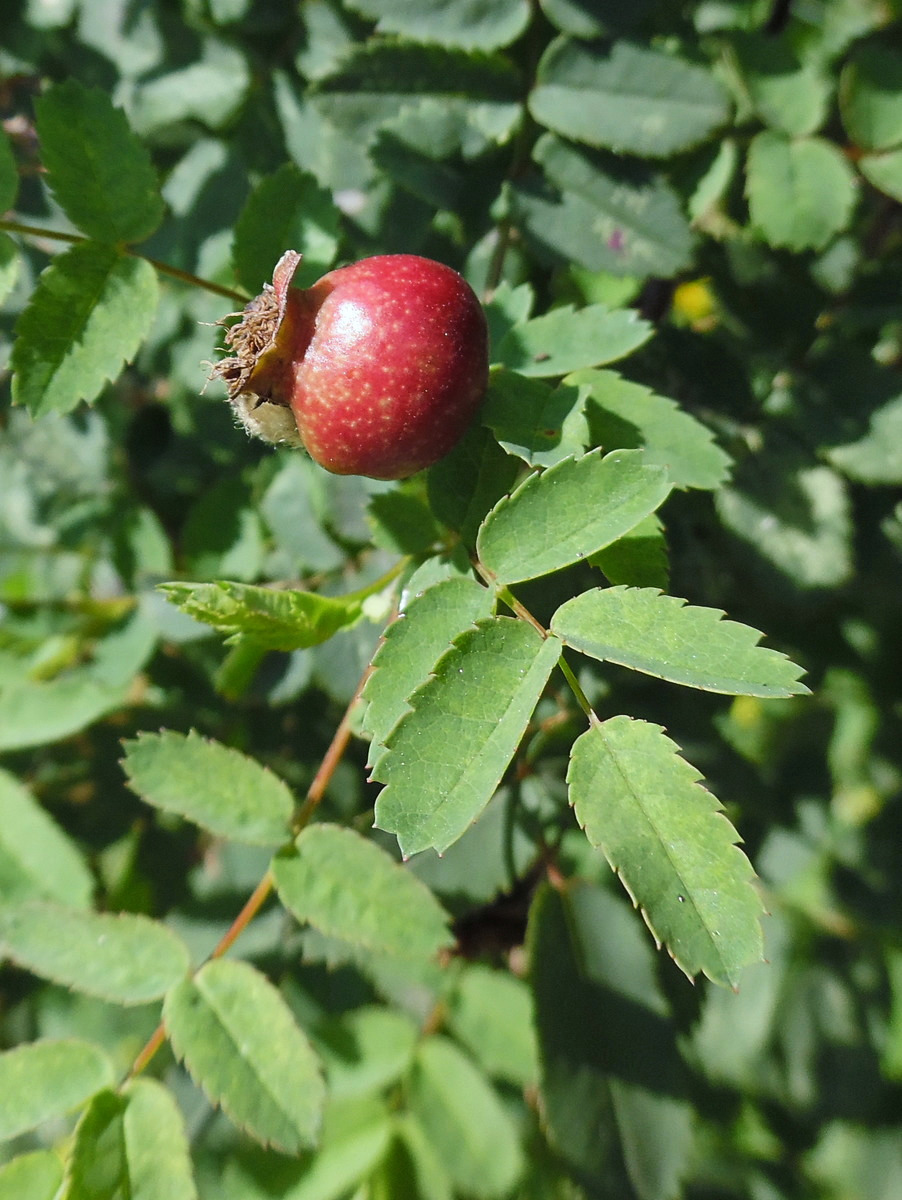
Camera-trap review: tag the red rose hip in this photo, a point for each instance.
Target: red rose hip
(377, 369)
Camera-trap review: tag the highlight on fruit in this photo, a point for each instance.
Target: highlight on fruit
(377, 369)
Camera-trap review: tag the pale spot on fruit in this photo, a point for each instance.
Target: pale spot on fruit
(351, 323)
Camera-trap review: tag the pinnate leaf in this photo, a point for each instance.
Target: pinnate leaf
(801, 193)
(665, 835)
(89, 313)
(622, 415)
(428, 625)
(664, 636)
(240, 1043)
(36, 857)
(273, 619)
(447, 755)
(574, 509)
(217, 787)
(35, 1176)
(100, 172)
(131, 1145)
(568, 340)
(628, 98)
(125, 957)
(40, 1080)
(349, 888)
(470, 1131)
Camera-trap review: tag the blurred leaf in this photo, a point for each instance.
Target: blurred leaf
(884, 171)
(210, 784)
(100, 172)
(402, 523)
(239, 1041)
(34, 1176)
(801, 193)
(274, 619)
(662, 635)
(287, 210)
(464, 485)
(33, 713)
(491, 1012)
(566, 339)
(36, 856)
(603, 213)
(625, 415)
(869, 91)
(612, 1084)
(131, 1145)
(568, 512)
(629, 98)
(88, 316)
(366, 1050)
(463, 1118)
(43, 1080)
(470, 24)
(475, 706)
(412, 643)
(210, 90)
(289, 509)
(640, 803)
(10, 265)
(349, 888)
(538, 423)
(594, 19)
(787, 92)
(638, 559)
(875, 458)
(9, 175)
(124, 957)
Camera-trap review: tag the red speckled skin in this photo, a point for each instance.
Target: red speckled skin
(395, 367)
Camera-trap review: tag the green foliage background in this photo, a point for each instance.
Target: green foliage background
(685, 221)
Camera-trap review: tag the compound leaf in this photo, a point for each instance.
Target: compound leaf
(641, 804)
(41, 1080)
(100, 172)
(628, 98)
(349, 888)
(91, 310)
(661, 635)
(447, 755)
(217, 787)
(125, 958)
(568, 512)
(240, 1043)
(131, 1145)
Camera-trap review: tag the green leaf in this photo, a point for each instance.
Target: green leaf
(538, 423)
(36, 857)
(568, 512)
(884, 171)
(567, 340)
(605, 214)
(447, 755)
(801, 193)
(9, 175)
(625, 415)
(216, 787)
(463, 1118)
(402, 523)
(366, 1050)
(613, 1088)
(124, 958)
(429, 624)
(34, 712)
(638, 559)
(349, 888)
(464, 485)
(286, 210)
(131, 1145)
(663, 636)
(786, 92)
(89, 314)
(876, 457)
(10, 265)
(43, 1080)
(469, 24)
(626, 98)
(100, 173)
(641, 804)
(240, 1043)
(869, 93)
(35, 1176)
(491, 1012)
(273, 619)
(479, 92)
